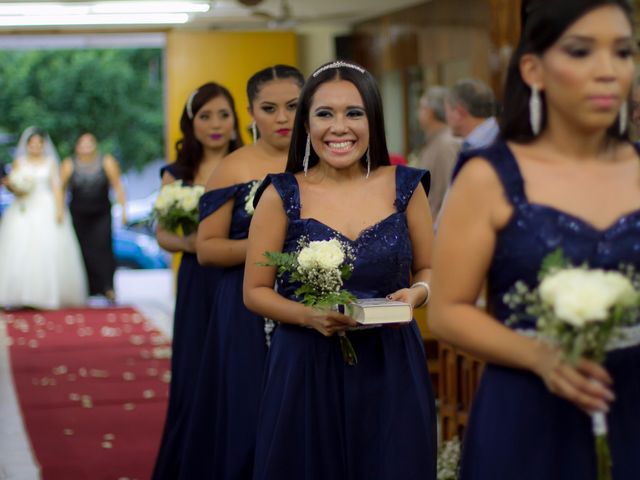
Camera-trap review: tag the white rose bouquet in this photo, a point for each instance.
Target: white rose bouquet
(580, 310)
(20, 181)
(320, 267)
(177, 206)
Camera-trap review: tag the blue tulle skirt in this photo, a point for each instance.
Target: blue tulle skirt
(194, 299)
(519, 430)
(222, 428)
(322, 419)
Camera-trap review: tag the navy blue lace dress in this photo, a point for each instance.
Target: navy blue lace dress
(194, 298)
(323, 419)
(222, 427)
(518, 429)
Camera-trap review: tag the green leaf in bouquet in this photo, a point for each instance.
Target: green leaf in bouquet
(284, 262)
(308, 294)
(552, 262)
(346, 271)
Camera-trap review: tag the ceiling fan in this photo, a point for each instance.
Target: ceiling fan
(285, 17)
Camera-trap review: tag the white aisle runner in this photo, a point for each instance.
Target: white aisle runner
(16, 458)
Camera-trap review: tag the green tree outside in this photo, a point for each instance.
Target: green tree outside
(115, 94)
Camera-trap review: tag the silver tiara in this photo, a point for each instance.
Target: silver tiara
(337, 64)
(189, 104)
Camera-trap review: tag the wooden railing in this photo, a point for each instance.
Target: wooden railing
(455, 376)
(458, 381)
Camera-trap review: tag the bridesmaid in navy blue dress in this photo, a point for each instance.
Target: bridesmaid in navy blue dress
(210, 131)
(220, 442)
(320, 417)
(565, 176)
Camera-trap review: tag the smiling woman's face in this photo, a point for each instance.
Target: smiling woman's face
(338, 124)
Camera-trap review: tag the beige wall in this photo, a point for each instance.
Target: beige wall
(317, 46)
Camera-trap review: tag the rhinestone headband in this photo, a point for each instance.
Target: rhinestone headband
(338, 64)
(190, 103)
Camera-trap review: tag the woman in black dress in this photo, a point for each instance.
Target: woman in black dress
(89, 175)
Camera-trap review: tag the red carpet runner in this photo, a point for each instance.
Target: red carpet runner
(92, 386)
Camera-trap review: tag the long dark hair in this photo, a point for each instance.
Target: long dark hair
(275, 72)
(189, 150)
(541, 25)
(368, 88)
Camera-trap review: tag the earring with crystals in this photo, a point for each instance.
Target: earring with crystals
(368, 162)
(535, 110)
(623, 118)
(307, 154)
(254, 131)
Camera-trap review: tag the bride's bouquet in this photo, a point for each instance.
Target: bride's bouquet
(20, 181)
(320, 267)
(580, 310)
(177, 206)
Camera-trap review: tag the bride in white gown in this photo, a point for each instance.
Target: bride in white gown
(40, 260)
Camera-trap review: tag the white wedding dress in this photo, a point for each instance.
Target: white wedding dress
(40, 261)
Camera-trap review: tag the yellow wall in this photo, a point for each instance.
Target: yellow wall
(228, 58)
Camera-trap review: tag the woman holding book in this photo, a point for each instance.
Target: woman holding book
(221, 438)
(209, 128)
(321, 417)
(564, 177)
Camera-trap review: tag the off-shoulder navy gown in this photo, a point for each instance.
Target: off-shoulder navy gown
(194, 297)
(222, 427)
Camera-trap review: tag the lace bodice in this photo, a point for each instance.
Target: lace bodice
(383, 252)
(536, 230)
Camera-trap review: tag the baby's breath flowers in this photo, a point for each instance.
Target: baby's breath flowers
(448, 461)
(320, 267)
(580, 311)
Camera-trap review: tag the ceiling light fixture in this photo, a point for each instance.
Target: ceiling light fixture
(23, 9)
(150, 7)
(98, 13)
(41, 8)
(107, 19)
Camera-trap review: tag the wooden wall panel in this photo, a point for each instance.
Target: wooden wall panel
(480, 32)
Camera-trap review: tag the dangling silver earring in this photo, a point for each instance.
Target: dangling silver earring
(535, 110)
(234, 136)
(307, 154)
(368, 163)
(623, 118)
(254, 131)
